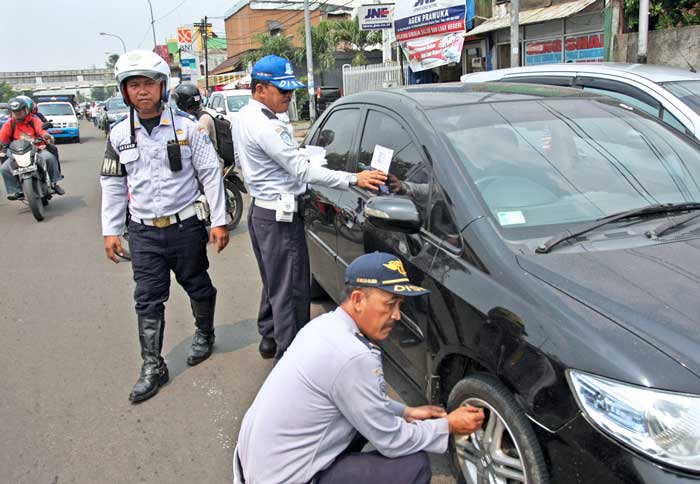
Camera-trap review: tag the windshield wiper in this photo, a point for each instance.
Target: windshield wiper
(661, 229)
(637, 212)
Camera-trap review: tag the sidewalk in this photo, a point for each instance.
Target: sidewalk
(300, 129)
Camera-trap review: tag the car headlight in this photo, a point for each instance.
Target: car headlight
(660, 424)
(72, 125)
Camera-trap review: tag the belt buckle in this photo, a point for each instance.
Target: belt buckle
(161, 222)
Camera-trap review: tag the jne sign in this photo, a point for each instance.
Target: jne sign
(376, 17)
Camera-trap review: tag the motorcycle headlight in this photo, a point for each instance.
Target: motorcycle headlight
(660, 424)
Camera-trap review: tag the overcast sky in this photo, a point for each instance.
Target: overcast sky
(64, 34)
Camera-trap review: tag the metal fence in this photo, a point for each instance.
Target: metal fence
(373, 76)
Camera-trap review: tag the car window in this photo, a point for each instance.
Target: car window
(627, 94)
(673, 121)
(235, 103)
(336, 135)
(55, 109)
(686, 91)
(539, 166)
(440, 220)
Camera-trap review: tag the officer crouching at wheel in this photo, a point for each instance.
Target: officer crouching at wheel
(277, 174)
(154, 158)
(327, 397)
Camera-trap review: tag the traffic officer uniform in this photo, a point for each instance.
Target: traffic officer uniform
(328, 388)
(165, 231)
(274, 169)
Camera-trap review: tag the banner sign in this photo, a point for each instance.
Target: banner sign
(162, 50)
(543, 52)
(414, 19)
(184, 35)
(585, 48)
(423, 54)
(376, 17)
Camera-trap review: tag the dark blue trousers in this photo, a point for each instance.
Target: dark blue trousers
(283, 260)
(181, 248)
(360, 467)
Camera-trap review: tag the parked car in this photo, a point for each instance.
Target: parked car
(559, 233)
(227, 102)
(64, 119)
(325, 96)
(114, 108)
(668, 93)
(4, 113)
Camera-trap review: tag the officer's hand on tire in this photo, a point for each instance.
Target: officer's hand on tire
(425, 412)
(465, 420)
(218, 236)
(371, 179)
(113, 248)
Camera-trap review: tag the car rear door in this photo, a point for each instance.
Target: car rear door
(337, 135)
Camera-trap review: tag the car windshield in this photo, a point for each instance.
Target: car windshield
(235, 103)
(541, 165)
(686, 91)
(116, 104)
(58, 109)
(4, 111)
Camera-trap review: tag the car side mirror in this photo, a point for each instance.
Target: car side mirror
(394, 213)
(220, 110)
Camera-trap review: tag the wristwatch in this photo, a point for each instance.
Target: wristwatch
(353, 180)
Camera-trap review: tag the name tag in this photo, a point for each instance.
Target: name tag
(184, 142)
(127, 146)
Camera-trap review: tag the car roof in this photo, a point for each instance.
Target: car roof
(651, 72)
(430, 96)
(236, 92)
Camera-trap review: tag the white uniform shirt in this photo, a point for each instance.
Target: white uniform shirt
(143, 172)
(270, 159)
(329, 384)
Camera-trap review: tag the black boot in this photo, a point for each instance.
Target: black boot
(203, 340)
(267, 348)
(154, 372)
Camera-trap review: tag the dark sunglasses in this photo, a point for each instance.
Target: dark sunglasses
(284, 92)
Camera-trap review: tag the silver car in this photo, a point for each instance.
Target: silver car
(668, 93)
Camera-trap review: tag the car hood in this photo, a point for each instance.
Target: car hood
(68, 118)
(653, 291)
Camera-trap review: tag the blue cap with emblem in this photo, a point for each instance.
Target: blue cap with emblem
(383, 271)
(276, 70)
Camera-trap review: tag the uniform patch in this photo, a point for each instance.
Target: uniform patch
(179, 132)
(396, 265)
(126, 146)
(184, 142)
(207, 139)
(287, 138)
(111, 165)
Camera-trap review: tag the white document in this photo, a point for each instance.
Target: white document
(316, 155)
(381, 159)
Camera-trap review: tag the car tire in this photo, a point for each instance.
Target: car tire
(516, 456)
(317, 292)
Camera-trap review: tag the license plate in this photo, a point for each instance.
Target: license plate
(57, 131)
(26, 169)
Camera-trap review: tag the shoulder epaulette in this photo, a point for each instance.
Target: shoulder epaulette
(118, 121)
(371, 346)
(268, 113)
(183, 114)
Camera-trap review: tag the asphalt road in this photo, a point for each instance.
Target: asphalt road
(70, 352)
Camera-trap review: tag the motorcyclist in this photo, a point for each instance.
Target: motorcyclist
(33, 108)
(189, 99)
(24, 125)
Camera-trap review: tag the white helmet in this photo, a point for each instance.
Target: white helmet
(142, 63)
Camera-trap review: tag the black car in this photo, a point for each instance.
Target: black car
(559, 233)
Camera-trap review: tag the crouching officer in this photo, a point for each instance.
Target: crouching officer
(334, 393)
(277, 174)
(150, 165)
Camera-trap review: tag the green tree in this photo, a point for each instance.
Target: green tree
(664, 14)
(99, 93)
(323, 46)
(348, 32)
(270, 45)
(6, 92)
(112, 60)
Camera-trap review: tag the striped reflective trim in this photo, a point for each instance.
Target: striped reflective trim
(394, 281)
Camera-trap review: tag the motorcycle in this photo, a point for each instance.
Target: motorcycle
(233, 186)
(32, 175)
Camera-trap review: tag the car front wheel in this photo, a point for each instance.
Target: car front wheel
(505, 450)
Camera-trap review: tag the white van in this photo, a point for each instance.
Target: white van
(64, 119)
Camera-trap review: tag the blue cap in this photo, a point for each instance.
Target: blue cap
(383, 271)
(277, 71)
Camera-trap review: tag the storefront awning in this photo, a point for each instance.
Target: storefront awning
(534, 16)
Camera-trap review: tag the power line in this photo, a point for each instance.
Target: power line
(172, 11)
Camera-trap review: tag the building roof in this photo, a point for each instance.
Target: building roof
(534, 16)
(327, 5)
(229, 65)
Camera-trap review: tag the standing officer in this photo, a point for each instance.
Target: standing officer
(329, 391)
(277, 174)
(153, 160)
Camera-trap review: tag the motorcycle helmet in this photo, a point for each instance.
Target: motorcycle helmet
(17, 104)
(29, 101)
(187, 96)
(142, 63)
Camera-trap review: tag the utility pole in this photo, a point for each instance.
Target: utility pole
(153, 24)
(643, 31)
(205, 34)
(515, 33)
(309, 63)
